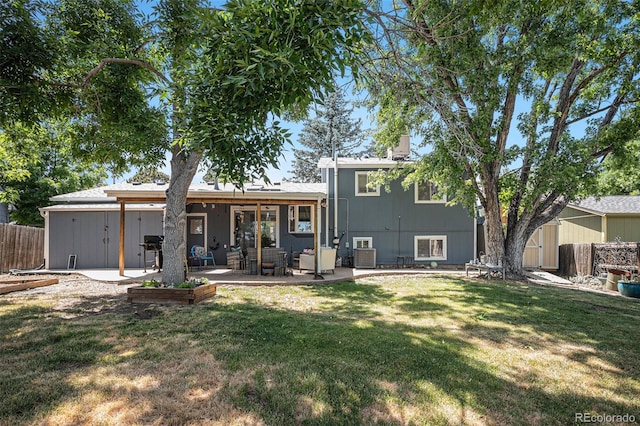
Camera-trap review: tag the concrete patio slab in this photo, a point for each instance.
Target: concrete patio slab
(221, 275)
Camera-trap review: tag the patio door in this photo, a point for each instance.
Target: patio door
(244, 226)
(196, 231)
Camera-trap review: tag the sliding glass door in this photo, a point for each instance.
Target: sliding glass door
(244, 226)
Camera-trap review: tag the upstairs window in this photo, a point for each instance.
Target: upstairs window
(300, 219)
(362, 185)
(427, 192)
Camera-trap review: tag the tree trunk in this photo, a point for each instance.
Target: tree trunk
(4, 213)
(183, 169)
(514, 251)
(494, 233)
(4, 210)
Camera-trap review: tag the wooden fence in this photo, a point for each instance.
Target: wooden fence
(21, 247)
(595, 259)
(575, 259)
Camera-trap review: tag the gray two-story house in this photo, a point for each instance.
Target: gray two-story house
(106, 227)
(415, 225)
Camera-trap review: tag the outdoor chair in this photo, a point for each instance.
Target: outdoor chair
(327, 260)
(200, 255)
(235, 259)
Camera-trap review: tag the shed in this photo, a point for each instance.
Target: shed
(601, 220)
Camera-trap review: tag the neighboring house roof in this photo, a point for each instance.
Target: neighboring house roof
(354, 163)
(609, 204)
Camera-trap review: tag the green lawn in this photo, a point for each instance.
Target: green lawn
(393, 350)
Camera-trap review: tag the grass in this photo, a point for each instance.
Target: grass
(394, 350)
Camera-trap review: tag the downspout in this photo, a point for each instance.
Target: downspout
(335, 196)
(326, 209)
(318, 256)
(475, 234)
(47, 229)
(121, 251)
(604, 228)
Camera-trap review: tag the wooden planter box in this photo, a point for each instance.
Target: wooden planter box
(181, 296)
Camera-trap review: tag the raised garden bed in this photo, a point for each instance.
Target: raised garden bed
(7, 286)
(181, 296)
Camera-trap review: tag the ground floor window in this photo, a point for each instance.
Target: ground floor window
(301, 219)
(362, 242)
(430, 247)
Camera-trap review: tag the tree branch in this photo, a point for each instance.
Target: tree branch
(105, 61)
(564, 104)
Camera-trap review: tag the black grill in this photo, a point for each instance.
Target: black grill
(153, 243)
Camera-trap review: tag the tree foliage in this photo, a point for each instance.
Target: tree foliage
(37, 163)
(28, 53)
(193, 80)
(519, 101)
(149, 175)
(621, 171)
(331, 128)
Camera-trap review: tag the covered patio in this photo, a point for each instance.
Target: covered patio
(283, 216)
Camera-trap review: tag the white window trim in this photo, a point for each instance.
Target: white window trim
(367, 239)
(442, 200)
(430, 237)
(297, 216)
(204, 230)
(376, 193)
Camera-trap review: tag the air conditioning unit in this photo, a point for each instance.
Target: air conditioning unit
(364, 258)
(402, 151)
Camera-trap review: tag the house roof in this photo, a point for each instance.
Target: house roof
(610, 204)
(93, 195)
(198, 191)
(354, 163)
(156, 192)
(101, 207)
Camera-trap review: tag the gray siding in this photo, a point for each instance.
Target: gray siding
(218, 223)
(292, 241)
(393, 219)
(94, 237)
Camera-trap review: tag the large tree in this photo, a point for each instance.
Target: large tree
(37, 163)
(331, 129)
(217, 78)
(519, 101)
(49, 116)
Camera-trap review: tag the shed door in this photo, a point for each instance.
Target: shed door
(92, 239)
(111, 241)
(542, 248)
(533, 251)
(550, 253)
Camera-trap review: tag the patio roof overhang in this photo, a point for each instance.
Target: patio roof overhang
(272, 194)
